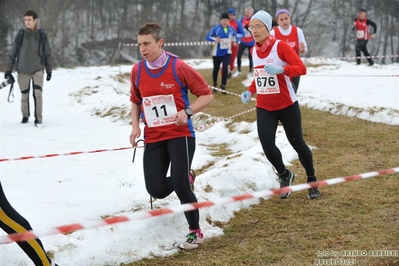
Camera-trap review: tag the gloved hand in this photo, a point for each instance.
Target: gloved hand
(8, 76)
(246, 96)
(48, 76)
(274, 70)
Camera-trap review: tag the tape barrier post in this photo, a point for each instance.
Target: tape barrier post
(186, 207)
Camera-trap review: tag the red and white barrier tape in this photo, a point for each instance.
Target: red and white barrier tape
(117, 149)
(175, 44)
(205, 43)
(61, 154)
(354, 57)
(65, 229)
(366, 76)
(224, 91)
(225, 119)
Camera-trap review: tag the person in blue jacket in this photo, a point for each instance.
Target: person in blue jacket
(224, 37)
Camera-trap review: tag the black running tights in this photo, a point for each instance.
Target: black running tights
(178, 153)
(290, 118)
(217, 60)
(361, 46)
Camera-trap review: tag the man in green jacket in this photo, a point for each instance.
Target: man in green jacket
(30, 54)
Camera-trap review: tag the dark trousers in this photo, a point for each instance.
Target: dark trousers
(361, 46)
(178, 153)
(12, 222)
(241, 50)
(217, 60)
(290, 118)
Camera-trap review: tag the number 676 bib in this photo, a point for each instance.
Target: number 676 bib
(265, 83)
(159, 110)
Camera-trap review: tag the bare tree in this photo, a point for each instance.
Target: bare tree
(88, 32)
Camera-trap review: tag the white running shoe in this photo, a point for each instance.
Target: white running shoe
(238, 73)
(194, 240)
(250, 75)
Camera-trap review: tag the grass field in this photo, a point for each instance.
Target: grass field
(357, 215)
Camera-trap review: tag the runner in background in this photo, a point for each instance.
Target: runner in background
(292, 35)
(274, 63)
(361, 25)
(246, 42)
(224, 38)
(160, 84)
(12, 222)
(233, 22)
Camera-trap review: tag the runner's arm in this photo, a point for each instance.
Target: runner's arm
(372, 24)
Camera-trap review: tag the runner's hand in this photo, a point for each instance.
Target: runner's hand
(274, 70)
(246, 96)
(181, 118)
(136, 132)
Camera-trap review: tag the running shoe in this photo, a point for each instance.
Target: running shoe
(238, 73)
(194, 240)
(314, 193)
(285, 182)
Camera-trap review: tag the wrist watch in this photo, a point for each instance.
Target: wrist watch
(188, 111)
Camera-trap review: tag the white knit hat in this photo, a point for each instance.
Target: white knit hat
(265, 17)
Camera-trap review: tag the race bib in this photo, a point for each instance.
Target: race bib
(225, 43)
(265, 83)
(360, 34)
(159, 110)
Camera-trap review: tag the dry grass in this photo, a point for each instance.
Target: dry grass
(357, 215)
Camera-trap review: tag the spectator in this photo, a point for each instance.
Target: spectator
(31, 54)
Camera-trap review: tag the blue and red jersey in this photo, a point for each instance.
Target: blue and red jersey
(172, 81)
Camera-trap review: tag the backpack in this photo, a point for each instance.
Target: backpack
(42, 45)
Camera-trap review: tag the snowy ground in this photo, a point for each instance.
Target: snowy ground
(86, 188)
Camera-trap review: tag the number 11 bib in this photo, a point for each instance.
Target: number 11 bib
(159, 110)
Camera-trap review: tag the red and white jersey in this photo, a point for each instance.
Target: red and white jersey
(362, 29)
(293, 36)
(162, 93)
(275, 92)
